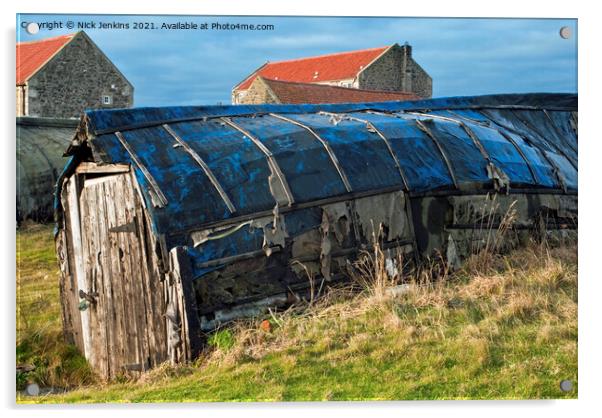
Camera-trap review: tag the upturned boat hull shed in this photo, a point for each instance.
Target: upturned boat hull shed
(41, 143)
(173, 220)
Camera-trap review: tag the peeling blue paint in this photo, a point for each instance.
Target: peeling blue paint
(546, 147)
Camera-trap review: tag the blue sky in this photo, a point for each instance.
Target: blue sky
(463, 56)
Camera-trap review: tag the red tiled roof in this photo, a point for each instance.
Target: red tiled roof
(31, 56)
(297, 93)
(340, 66)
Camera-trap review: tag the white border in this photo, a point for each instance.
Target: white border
(590, 288)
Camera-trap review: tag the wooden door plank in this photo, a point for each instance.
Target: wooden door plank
(133, 358)
(78, 252)
(156, 284)
(191, 325)
(133, 258)
(71, 299)
(104, 276)
(154, 323)
(111, 263)
(86, 202)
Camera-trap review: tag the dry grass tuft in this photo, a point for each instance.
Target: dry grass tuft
(165, 372)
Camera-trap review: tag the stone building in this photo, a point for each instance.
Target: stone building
(60, 77)
(264, 90)
(389, 68)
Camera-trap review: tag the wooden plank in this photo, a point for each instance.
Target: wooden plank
(79, 271)
(155, 287)
(191, 326)
(104, 276)
(166, 299)
(73, 296)
(156, 328)
(113, 273)
(157, 283)
(99, 310)
(145, 280)
(65, 291)
(137, 276)
(84, 243)
(146, 268)
(115, 331)
(88, 239)
(184, 351)
(175, 309)
(69, 299)
(94, 168)
(171, 316)
(126, 356)
(132, 354)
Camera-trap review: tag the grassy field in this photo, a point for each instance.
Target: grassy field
(503, 329)
(39, 333)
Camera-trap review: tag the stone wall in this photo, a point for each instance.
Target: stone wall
(76, 79)
(396, 70)
(417, 80)
(258, 93)
(384, 73)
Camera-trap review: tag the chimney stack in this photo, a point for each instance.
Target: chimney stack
(406, 72)
(407, 49)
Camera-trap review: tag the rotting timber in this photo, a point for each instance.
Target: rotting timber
(174, 220)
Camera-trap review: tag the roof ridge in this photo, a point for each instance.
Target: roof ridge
(31, 56)
(334, 66)
(329, 55)
(101, 121)
(54, 38)
(332, 86)
(254, 73)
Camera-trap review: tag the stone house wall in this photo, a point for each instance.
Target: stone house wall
(258, 93)
(75, 79)
(382, 74)
(417, 81)
(396, 70)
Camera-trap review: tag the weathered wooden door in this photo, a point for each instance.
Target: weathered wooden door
(123, 295)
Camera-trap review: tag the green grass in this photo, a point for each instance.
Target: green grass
(508, 331)
(39, 329)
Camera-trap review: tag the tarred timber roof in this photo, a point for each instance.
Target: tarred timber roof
(297, 93)
(31, 56)
(340, 66)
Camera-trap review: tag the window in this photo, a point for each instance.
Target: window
(107, 100)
